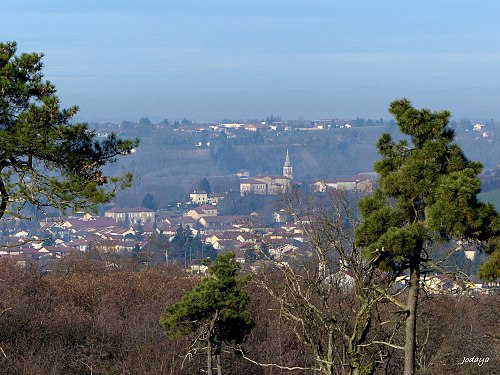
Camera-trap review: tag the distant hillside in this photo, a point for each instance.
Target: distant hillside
(169, 163)
(492, 196)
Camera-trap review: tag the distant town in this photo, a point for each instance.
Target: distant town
(213, 221)
(175, 155)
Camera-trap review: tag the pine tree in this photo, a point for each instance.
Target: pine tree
(215, 310)
(205, 185)
(428, 192)
(45, 160)
(149, 201)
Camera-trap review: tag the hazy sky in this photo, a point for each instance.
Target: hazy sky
(213, 59)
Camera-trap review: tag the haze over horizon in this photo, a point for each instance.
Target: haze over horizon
(208, 60)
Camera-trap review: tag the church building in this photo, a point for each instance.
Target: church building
(269, 184)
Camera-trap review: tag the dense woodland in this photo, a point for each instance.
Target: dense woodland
(101, 316)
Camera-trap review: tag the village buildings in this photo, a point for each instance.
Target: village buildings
(130, 229)
(243, 234)
(269, 185)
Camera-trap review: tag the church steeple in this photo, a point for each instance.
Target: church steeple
(287, 167)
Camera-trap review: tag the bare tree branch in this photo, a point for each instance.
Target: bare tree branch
(293, 368)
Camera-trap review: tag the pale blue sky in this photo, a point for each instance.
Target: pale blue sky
(213, 59)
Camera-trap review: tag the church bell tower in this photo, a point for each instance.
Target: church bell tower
(287, 167)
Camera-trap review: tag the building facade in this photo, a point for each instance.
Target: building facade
(134, 215)
(199, 197)
(265, 184)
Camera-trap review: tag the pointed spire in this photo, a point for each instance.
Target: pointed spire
(287, 159)
(287, 167)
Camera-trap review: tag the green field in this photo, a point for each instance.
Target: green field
(492, 196)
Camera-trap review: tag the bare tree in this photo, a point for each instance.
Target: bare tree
(332, 297)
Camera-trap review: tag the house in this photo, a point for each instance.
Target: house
(242, 173)
(275, 184)
(80, 245)
(247, 238)
(147, 229)
(264, 185)
(202, 211)
(253, 186)
(221, 236)
(215, 198)
(198, 269)
(21, 234)
(278, 249)
(256, 127)
(442, 284)
(227, 245)
(134, 215)
(166, 229)
(73, 225)
(116, 233)
(281, 216)
(199, 197)
(359, 183)
(232, 126)
(331, 184)
(222, 222)
(248, 226)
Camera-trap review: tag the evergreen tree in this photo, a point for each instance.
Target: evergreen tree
(45, 160)
(428, 192)
(215, 310)
(490, 270)
(205, 185)
(144, 122)
(186, 247)
(148, 201)
(139, 232)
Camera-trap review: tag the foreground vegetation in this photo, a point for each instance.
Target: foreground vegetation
(101, 317)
